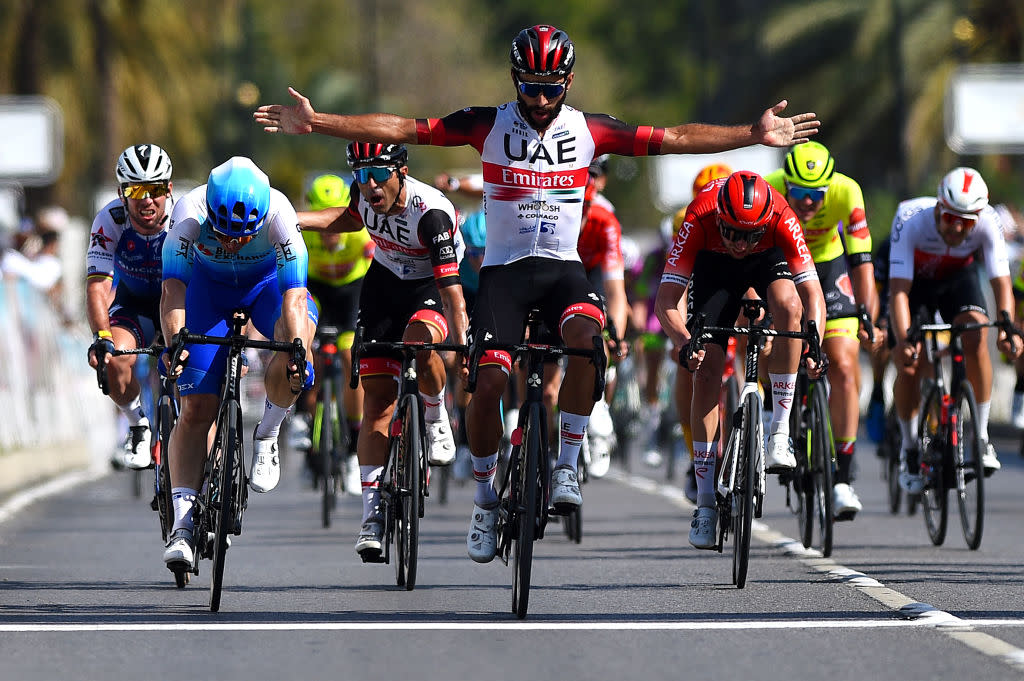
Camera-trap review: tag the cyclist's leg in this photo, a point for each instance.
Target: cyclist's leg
(130, 328)
(841, 346)
(428, 325)
(380, 390)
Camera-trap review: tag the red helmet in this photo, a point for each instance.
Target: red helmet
(542, 50)
(745, 201)
(376, 154)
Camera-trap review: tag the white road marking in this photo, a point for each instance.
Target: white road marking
(697, 625)
(920, 614)
(54, 486)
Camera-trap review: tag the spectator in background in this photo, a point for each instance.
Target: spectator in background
(37, 260)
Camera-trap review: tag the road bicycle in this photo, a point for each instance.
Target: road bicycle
(740, 475)
(523, 492)
(405, 477)
(949, 444)
(166, 415)
(330, 443)
(219, 507)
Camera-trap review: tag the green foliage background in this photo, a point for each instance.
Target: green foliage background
(187, 76)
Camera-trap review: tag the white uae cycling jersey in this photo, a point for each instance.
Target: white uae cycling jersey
(918, 250)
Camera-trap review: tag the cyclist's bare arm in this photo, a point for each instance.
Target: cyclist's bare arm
(97, 303)
(331, 220)
(172, 311)
(670, 308)
(1002, 290)
(301, 119)
(899, 311)
(618, 306)
(455, 312)
(813, 300)
(862, 278)
(770, 130)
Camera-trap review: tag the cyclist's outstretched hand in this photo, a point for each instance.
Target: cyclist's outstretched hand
(291, 120)
(775, 131)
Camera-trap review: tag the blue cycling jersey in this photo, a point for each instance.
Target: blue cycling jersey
(118, 252)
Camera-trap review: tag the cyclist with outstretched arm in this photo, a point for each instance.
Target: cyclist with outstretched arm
(535, 152)
(738, 233)
(234, 243)
(932, 265)
(412, 293)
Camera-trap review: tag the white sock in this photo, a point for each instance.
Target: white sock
(783, 388)
(908, 429)
(270, 424)
(984, 409)
(570, 438)
(369, 476)
(483, 472)
(183, 499)
(704, 455)
(433, 406)
(133, 411)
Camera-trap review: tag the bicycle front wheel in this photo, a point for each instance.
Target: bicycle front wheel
(407, 474)
(528, 496)
(967, 460)
(931, 438)
(821, 466)
(328, 481)
(743, 493)
(225, 458)
(891, 445)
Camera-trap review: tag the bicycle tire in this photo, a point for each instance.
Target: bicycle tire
(969, 466)
(892, 442)
(743, 493)
(221, 508)
(528, 495)
(801, 480)
(931, 445)
(328, 480)
(821, 463)
(165, 504)
(409, 494)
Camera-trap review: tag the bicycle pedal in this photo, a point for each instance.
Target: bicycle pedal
(371, 556)
(562, 509)
(154, 504)
(845, 516)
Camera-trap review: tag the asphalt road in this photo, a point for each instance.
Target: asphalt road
(85, 595)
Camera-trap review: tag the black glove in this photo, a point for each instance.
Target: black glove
(100, 347)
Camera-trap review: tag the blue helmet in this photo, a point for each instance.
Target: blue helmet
(237, 197)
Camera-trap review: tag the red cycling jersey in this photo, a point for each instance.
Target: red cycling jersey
(600, 243)
(699, 232)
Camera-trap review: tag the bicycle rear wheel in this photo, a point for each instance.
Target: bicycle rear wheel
(528, 496)
(225, 455)
(970, 471)
(407, 508)
(931, 447)
(743, 493)
(821, 466)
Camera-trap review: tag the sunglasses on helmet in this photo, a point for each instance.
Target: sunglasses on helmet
(730, 233)
(550, 90)
(800, 193)
(143, 190)
(378, 173)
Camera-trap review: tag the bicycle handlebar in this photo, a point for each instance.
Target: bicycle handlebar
(865, 321)
(404, 347)
(595, 354)
(918, 329)
(702, 333)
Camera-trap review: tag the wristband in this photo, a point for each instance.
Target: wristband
(104, 334)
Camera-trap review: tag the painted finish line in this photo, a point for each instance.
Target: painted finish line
(507, 626)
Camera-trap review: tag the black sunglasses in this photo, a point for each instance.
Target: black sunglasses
(550, 90)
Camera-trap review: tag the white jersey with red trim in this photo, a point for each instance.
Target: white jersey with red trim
(404, 246)
(918, 249)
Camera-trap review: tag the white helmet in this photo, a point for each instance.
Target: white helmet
(630, 252)
(143, 163)
(963, 191)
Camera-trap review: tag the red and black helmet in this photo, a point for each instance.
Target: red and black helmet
(542, 50)
(745, 201)
(362, 154)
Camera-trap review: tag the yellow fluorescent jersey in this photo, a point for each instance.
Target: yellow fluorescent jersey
(342, 266)
(842, 213)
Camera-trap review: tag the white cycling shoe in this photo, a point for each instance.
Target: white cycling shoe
(440, 443)
(266, 465)
(780, 457)
(703, 526)
(482, 540)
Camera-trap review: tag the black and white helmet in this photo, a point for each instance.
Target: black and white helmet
(143, 163)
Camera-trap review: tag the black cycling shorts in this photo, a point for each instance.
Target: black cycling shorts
(958, 293)
(720, 281)
(338, 305)
(558, 289)
(388, 304)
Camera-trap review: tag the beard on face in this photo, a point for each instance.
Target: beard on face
(527, 111)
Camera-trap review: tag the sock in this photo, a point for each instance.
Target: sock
(270, 425)
(483, 472)
(183, 499)
(133, 411)
(704, 456)
(433, 406)
(844, 459)
(783, 387)
(570, 437)
(984, 409)
(908, 429)
(370, 477)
